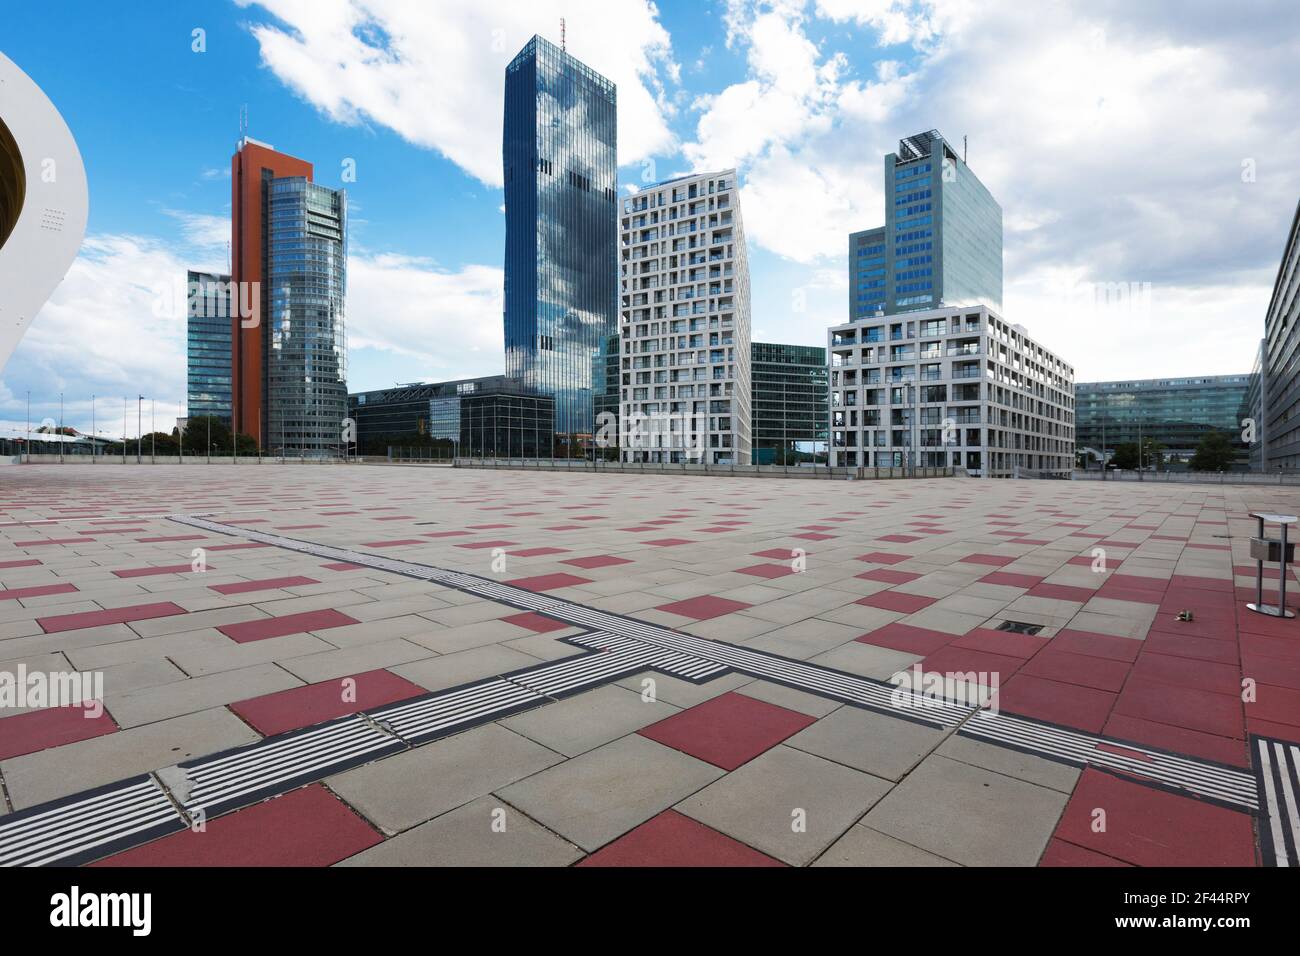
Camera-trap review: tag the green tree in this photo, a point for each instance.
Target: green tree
(1214, 453)
(1125, 455)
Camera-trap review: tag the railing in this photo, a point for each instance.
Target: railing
(739, 471)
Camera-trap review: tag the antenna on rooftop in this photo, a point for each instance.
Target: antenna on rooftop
(963, 148)
(563, 47)
(243, 121)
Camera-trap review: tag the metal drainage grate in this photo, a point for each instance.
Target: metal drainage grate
(1019, 627)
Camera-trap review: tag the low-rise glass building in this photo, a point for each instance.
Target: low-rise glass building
(788, 401)
(1176, 412)
(492, 416)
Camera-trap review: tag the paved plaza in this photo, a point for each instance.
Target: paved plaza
(361, 665)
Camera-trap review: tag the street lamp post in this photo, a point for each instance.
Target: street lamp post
(139, 429)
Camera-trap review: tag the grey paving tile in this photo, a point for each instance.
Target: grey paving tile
(588, 720)
(484, 832)
(60, 771)
(969, 815)
(873, 743)
(401, 791)
(787, 803)
(598, 796)
(863, 846)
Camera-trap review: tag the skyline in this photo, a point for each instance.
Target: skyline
(1191, 248)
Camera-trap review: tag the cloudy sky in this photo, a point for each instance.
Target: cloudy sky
(1146, 156)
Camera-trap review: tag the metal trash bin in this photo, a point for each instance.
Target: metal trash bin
(1275, 551)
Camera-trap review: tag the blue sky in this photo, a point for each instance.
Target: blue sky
(1153, 148)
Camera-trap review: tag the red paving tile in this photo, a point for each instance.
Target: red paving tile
(996, 560)
(704, 607)
(1060, 853)
(882, 557)
(668, 542)
(897, 601)
(317, 703)
(238, 547)
(1001, 642)
(29, 563)
(267, 627)
(1182, 707)
(672, 839)
(780, 554)
(1178, 740)
(40, 590)
(767, 570)
(1097, 645)
(152, 571)
(1069, 705)
(888, 575)
(549, 582)
(119, 615)
(307, 827)
(597, 561)
(1278, 671)
(1096, 672)
(1011, 579)
(905, 637)
(343, 566)
(1276, 705)
(52, 727)
(533, 621)
(1185, 672)
(728, 730)
(895, 538)
(1196, 648)
(267, 584)
(536, 552)
(1150, 827)
(960, 660)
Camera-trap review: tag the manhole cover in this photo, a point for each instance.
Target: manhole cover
(1019, 627)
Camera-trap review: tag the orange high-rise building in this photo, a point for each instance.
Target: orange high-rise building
(251, 168)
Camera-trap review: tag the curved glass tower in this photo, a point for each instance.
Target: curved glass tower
(306, 371)
(560, 170)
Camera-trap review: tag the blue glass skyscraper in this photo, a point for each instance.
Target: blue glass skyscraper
(560, 169)
(941, 244)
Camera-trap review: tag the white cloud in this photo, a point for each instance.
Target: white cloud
(406, 306)
(434, 72)
(115, 327)
(1113, 135)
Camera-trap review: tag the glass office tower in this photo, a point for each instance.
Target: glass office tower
(941, 244)
(305, 362)
(560, 170)
(207, 345)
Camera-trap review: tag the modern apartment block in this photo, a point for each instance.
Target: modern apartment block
(1277, 388)
(949, 387)
(207, 345)
(787, 402)
(941, 244)
(489, 416)
(1175, 412)
(289, 347)
(561, 180)
(684, 323)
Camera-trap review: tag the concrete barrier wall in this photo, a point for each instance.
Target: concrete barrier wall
(740, 471)
(188, 461)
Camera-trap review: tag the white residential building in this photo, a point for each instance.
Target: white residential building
(962, 385)
(684, 351)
